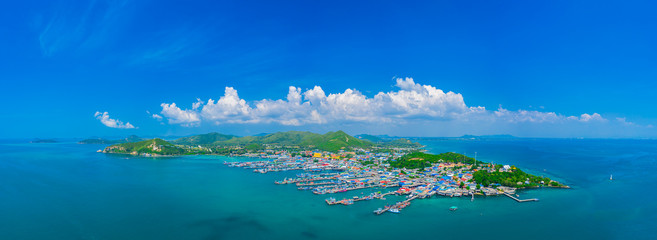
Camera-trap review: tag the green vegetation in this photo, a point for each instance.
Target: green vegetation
(334, 141)
(485, 176)
(511, 178)
(254, 147)
(203, 139)
(389, 141)
(331, 141)
(420, 160)
(152, 146)
(370, 138)
(217, 143)
(402, 143)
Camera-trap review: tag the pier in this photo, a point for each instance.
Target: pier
(521, 200)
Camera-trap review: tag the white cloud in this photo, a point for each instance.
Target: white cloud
(624, 121)
(527, 116)
(411, 102)
(154, 115)
(197, 104)
(179, 116)
(229, 108)
(113, 123)
(591, 118)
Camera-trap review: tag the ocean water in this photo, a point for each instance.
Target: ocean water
(68, 191)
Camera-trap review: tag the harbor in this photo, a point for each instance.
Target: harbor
(334, 175)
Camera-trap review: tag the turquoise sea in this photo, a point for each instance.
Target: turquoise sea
(68, 191)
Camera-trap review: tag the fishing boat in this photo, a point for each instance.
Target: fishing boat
(453, 208)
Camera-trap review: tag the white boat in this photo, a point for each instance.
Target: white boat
(394, 210)
(611, 177)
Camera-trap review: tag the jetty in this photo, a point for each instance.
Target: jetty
(521, 200)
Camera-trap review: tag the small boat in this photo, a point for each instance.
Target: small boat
(394, 210)
(611, 177)
(453, 208)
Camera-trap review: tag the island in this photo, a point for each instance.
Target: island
(336, 162)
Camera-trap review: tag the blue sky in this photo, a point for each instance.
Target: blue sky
(527, 68)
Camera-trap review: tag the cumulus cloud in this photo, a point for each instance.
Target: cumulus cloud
(229, 108)
(175, 115)
(591, 118)
(113, 123)
(408, 103)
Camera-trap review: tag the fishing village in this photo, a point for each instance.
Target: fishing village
(336, 163)
(400, 172)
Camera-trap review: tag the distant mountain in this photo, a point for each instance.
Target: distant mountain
(375, 138)
(151, 146)
(38, 140)
(488, 136)
(331, 141)
(370, 138)
(387, 141)
(401, 142)
(203, 139)
(279, 138)
(131, 138)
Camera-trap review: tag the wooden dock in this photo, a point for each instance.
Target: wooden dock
(521, 200)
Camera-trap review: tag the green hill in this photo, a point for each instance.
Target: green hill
(370, 138)
(152, 146)
(203, 139)
(421, 160)
(387, 141)
(331, 141)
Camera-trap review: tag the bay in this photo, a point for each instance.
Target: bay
(68, 191)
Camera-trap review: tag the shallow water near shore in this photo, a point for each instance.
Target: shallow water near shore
(68, 191)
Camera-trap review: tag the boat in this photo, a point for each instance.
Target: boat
(453, 208)
(611, 177)
(394, 210)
